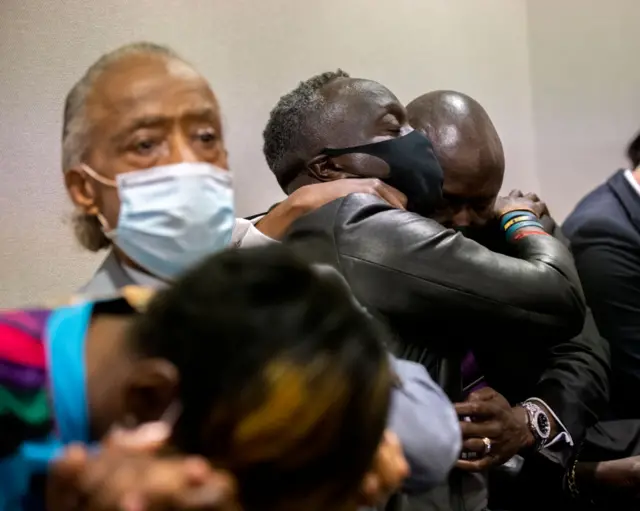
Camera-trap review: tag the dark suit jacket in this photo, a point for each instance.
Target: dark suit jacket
(443, 294)
(604, 230)
(575, 378)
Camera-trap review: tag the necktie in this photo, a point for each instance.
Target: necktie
(472, 378)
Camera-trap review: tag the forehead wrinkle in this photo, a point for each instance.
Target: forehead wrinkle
(358, 91)
(139, 76)
(143, 94)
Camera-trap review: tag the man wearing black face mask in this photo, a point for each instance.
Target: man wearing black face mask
(407, 269)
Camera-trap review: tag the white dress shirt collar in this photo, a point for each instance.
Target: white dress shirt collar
(632, 181)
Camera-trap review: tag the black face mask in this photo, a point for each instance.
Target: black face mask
(414, 169)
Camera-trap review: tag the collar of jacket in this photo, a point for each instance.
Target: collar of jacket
(626, 195)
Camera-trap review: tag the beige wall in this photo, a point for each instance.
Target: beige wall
(558, 78)
(252, 52)
(586, 92)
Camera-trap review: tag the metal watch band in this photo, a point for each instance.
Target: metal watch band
(538, 422)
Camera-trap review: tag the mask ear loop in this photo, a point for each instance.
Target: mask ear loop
(100, 179)
(106, 229)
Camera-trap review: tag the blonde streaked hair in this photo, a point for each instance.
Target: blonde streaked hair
(285, 381)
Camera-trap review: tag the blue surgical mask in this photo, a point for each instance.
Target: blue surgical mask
(171, 217)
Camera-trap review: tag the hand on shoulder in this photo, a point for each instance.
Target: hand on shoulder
(311, 197)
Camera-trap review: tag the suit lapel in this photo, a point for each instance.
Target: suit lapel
(627, 196)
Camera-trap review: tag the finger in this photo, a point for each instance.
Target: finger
(545, 209)
(63, 480)
(373, 187)
(187, 484)
(474, 444)
(400, 197)
(219, 493)
(532, 197)
(394, 197)
(109, 481)
(476, 409)
(70, 465)
(489, 429)
(484, 394)
(515, 193)
(476, 465)
(197, 470)
(133, 501)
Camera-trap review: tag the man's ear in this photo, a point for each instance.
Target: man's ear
(81, 190)
(326, 168)
(389, 470)
(150, 390)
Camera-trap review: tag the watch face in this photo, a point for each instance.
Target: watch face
(542, 425)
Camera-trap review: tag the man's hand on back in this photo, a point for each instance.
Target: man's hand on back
(311, 197)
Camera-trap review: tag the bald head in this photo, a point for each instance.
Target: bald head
(469, 150)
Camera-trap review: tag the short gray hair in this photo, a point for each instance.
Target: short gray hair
(288, 137)
(75, 130)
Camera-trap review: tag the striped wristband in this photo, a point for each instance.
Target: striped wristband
(513, 222)
(518, 219)
(526, 223)
(512, 215)
(523, 234)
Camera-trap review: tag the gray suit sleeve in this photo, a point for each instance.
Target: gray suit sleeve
(426, 424)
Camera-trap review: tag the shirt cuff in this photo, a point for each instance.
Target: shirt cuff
(562, 440)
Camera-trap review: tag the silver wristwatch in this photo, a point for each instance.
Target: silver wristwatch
(538, 422)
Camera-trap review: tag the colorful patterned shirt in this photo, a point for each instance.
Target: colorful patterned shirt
(43, 403)
(25, 411)
(25, 405)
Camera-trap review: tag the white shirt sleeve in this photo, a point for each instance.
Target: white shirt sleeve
(246, 234)
(561, 441)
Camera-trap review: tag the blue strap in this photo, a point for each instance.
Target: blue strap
(65, 340)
